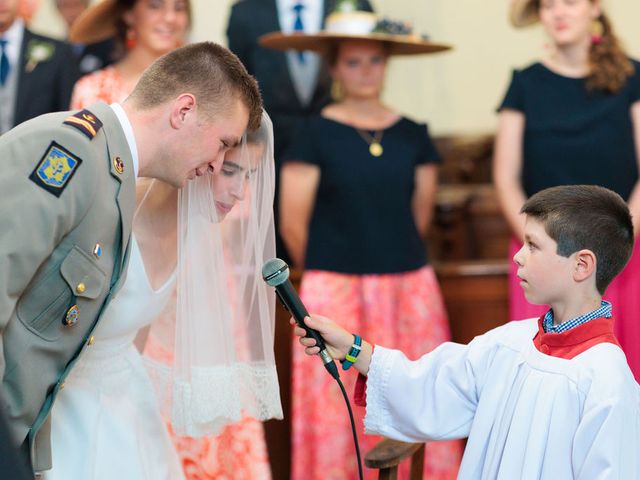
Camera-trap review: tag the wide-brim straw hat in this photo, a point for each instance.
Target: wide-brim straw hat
(96, 23)
(523, 13)
(355, 25)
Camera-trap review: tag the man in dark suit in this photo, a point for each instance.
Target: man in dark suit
(37, 73)
(291, 90)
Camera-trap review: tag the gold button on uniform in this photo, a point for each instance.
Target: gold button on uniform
(61, 386)
(91, 341)
(80, 288)
(118, 164)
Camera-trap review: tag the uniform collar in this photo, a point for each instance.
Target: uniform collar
(128, 133)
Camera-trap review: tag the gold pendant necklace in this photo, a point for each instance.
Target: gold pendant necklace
(375, 147)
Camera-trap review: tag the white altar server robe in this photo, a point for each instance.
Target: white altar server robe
(527, 415)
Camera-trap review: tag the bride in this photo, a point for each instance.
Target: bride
(195, 305)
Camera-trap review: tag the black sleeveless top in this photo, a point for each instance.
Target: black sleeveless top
(362, 221)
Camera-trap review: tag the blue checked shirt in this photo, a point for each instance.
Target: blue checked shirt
(549, 327)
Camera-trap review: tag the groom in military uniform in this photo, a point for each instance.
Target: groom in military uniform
(68, 186)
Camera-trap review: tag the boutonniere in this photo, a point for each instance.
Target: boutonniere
(346, 6)
(38, 51)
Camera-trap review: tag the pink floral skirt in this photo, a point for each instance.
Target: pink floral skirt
(403, 311)
(623, 293)
(239, 452)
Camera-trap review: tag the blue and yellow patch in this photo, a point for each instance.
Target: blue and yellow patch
(55, 170)
(86, 122)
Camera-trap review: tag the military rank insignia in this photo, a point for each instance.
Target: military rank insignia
(86, 122)
(55, 170)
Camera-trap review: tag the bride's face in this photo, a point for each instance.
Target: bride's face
(230, 182)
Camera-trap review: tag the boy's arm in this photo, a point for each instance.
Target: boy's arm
(434, 397)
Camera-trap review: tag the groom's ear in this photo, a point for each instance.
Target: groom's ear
(182, 109)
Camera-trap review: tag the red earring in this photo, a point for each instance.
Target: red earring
(131, 39)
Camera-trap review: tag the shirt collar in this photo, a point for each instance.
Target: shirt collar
(549, 327)
(128, 133)
(312, 14)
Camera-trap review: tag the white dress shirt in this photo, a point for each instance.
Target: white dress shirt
(13, 36)
(303, 74)
(9, 91)
(312, 14)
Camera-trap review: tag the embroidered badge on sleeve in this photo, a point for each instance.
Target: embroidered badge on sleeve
(55, 169)
(86, 122)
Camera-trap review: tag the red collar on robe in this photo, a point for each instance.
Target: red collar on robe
(576, 340)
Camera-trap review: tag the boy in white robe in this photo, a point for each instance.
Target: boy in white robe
(549, 398)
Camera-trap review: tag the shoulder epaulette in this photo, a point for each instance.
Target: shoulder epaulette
(86, 122)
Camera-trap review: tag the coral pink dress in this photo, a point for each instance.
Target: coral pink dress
(239, 451)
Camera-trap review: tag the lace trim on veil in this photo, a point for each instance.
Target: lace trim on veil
(214, 396)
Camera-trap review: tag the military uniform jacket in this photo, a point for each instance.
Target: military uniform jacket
(68, 196)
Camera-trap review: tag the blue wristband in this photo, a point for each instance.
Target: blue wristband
(352, 356)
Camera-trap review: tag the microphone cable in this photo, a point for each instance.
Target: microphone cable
(353, 426)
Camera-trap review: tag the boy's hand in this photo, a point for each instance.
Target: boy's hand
(337, 339)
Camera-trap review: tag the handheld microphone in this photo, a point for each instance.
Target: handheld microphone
(276, 273)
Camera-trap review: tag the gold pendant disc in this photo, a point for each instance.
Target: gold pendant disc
(375, 149)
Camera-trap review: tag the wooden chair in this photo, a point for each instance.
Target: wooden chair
(388, 454)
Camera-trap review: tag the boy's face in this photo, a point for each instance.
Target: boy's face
(545, 276)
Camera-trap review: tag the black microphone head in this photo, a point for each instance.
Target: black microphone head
(275, 272)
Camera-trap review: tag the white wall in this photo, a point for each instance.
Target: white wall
(456, 91)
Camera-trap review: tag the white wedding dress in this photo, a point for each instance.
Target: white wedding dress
(106, 422)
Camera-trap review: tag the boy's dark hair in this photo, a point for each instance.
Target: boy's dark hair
(211, 72)
(586, 217)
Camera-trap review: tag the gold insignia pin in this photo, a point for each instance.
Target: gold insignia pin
(118, 164)
(71, 318)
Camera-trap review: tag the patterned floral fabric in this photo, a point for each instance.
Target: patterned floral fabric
(105, 85)
(623, 293)
(403, 311)
(240, 451)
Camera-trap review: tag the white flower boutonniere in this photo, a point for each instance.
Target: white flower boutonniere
(38, 51)
(346, 6)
